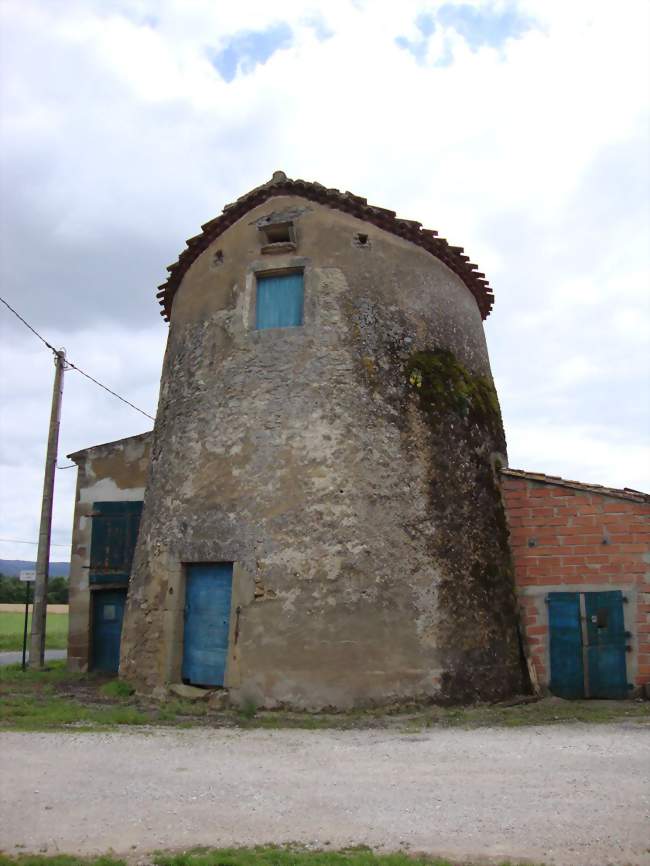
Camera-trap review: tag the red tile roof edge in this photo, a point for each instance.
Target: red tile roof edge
(280, 184)
(625, 493)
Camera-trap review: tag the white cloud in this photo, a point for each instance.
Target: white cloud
(120, 137)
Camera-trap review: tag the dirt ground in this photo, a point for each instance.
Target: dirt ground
(574, 795)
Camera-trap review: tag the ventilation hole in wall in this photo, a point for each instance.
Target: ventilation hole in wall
(361, 240)
(278, 234)
(217, 258)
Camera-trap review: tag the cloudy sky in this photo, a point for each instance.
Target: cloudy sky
(516, 129)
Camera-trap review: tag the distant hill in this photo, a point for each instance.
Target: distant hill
(13, 567)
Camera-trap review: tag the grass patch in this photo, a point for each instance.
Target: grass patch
(13, 623)
(24, 713)
(544, 712)
(290, 856)
(266, 855)
(117, 689)
(12, 676)
(248, 708)
(56, 699)
(58, 860)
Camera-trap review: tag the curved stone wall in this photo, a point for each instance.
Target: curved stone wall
(345, 467)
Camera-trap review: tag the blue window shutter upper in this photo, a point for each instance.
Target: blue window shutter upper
(279, 301)
(114, 534)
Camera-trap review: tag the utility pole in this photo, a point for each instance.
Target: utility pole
(39, 612)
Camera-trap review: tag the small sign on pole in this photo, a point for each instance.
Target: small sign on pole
(27, 577)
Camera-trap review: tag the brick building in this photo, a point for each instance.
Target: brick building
(582, 569)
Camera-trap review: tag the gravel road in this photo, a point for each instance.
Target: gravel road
(566, 795)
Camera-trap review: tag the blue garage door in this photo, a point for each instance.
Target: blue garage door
(208, 593)
(587, 661)
(108, 613)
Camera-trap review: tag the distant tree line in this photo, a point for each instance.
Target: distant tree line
(12, 590)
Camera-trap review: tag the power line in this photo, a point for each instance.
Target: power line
(123, 399)
(18, 541)
(74, 366)
(33, 330)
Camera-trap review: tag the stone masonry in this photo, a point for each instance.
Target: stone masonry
(347, 467)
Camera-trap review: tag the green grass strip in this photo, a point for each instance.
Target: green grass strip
(266, 855)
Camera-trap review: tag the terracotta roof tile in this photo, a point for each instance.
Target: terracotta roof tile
(280, 184)
(625, 493)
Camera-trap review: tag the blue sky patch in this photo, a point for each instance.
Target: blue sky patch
(426, 24)
(250, 48)
(484, 26)
(478, 26)
(319, 26)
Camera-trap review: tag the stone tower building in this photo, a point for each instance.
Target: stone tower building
(322, 523)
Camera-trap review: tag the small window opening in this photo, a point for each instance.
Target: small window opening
(361, 239)
(217, 258)
(278, 234)
(278, 237)
(280, 299)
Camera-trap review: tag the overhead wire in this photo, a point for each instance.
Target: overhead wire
(35, 543)
(26, 323)
(106, 388)
(72, 366)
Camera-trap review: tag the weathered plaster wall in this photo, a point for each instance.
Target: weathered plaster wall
(359, 508)
(113, 472)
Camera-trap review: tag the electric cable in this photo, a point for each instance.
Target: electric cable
(74, 366)
(35, 543)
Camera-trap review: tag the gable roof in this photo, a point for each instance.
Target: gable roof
(76, 456)
(617, 493)
(280, 184)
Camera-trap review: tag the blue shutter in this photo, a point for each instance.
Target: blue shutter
(279, 301)
(606, 632)
(114, 534)
(567, 671)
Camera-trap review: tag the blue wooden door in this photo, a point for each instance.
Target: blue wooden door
(208, 593)
(567, 671)
(279, 301)
(587, 662)
(108, 613)
(606, 644)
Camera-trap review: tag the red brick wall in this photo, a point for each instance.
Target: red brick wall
(557, 534)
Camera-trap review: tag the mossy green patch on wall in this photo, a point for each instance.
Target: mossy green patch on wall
(477, 627)
(443, 384)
